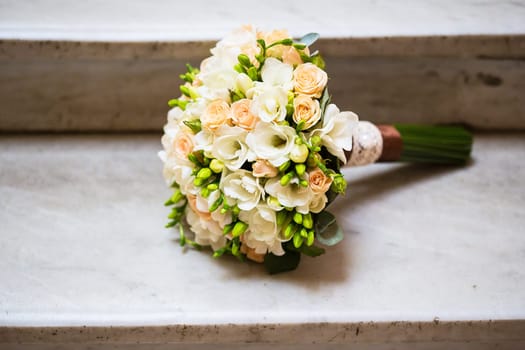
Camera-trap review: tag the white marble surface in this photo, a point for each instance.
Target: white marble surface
(121, 20)
(82, 244)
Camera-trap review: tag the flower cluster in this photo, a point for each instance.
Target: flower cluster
(252, 147)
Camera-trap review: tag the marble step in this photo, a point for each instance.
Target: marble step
(433, 257)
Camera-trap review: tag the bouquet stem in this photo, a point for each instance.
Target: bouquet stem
(410, 143)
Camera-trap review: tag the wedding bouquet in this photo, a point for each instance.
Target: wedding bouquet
(253, 149)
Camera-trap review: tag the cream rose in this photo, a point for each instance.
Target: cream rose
(183, 145)
(288, 53)
(215, 115)
(263, 168)
(319, 182)
(242, 116)
(306, 110)
(308, 79)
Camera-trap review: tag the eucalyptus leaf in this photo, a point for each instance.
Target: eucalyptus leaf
(309, 39)
(312, 251)
(327, 230)
(277, 264)
(325, 100)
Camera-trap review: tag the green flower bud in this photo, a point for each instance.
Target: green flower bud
(310, 239)
(177, 196)
(204, 173)
(188, 91)
(312, 160)
(236, 210)
(285, 180)
(303, 233)
(290, 230)
(239, 228)
(300, 169)
(315, 141)
(198, 182)
(235, 249)
(213, 186)
(297, 240)
(299, 153)
(205, 192)
(194, 125)
(227, 228)
(217, 203)
(244, 60)
(216, 166)
(281, 217)
(283, 167)
(298, 218)
(308, 222)
(339, 184)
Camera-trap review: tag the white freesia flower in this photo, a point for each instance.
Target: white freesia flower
(277, 73)
(204, 142)
(241, 188)
(173, 171)
(218, 77)
(216, 215)
(293, 195)
(269, 102)
(175, 114)
(207, 232)
(272, 142)
(242, 40)
(337, 130)
(231, 148)
(263, 233)
(243, 83)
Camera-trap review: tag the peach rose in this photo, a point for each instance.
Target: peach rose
(241, 115)
(309, 80)
(216, 114)
(263, 168)
(319, 182)
(183, 145)
(287, 53)
(291, 56)
(192, 201)
(306, 110)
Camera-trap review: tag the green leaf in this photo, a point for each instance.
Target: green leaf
(309, 39)
(327, 230)
(277, 264)
(325, 100)
(312, 251)
(318, 61)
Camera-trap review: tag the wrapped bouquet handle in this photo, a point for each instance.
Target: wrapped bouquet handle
(253, 149)
(409, 143)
